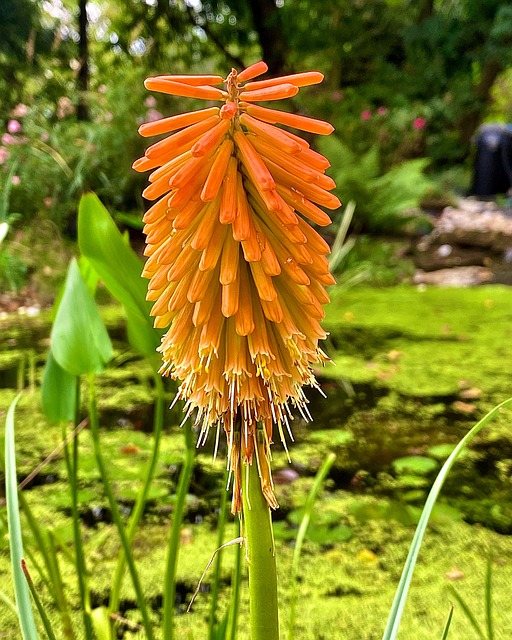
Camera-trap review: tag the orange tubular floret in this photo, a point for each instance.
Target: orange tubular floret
(181, 138)
(199, 285)
(205, 228)
(217, 172)
(255, 70)
(213, 251)
(287, 163)
(314, 239)
(229, 260)
(168, 169)
(167, 125)
(228, 201)
(244, 316)
(228, 110)
(186, 173)
(144, 164)
(314, 159)
(187, 214)
(303, 206)
(253, 163)
(304, 79)
(156, 212)
(186, 90)
(307, 189)
(195, 81)
(242, 225)
(230, 298)
(271, 134)
(277, 92)
(263, 282)
(289, 119)
(211, 139)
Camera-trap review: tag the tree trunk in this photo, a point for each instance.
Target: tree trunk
(471, 119)
(267, 22)
(82, 111)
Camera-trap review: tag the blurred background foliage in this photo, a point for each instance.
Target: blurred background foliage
(405, 79)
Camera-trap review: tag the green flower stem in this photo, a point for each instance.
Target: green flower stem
(140, 503)
(174, 538)
(116, 516)
(261, 557)
(236, 579)
(71, 458)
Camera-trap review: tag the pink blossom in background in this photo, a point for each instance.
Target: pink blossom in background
(150, 102)
(64, 107)
(108, 116)
(336, 96)
(366, 114)
(4, 155)
(20, 110)
(102, 88)
(16, 180)
(8, 139)
(152, 115)
(48, 202)
(419, 123)
(45, 136)
(382, 111)
(13, 126)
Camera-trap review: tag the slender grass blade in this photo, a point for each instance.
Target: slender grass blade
(397, 608)
(46, 622)
(448, 624)
(25, 614)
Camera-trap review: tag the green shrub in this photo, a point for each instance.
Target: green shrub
(382, 200)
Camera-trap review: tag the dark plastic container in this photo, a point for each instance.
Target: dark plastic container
(493, 161)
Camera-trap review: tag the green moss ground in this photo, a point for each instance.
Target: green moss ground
(405, 359)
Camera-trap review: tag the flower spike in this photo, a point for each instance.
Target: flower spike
(236, 274)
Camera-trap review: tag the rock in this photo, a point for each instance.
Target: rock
(456, 277)
(454, 574)
(471, 233)
(470, 394)
(464, 407)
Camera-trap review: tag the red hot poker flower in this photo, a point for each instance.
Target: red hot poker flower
(235, 271)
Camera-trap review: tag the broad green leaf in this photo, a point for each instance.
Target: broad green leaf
(79, 340)
(4, 228)
(89, 274)
(25, 614)
(142, 337)
(118, 266)
(58, 392)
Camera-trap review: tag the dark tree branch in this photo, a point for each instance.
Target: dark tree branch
(470, 121)
(82, 111)
(426, 10)
(267, 22)
(235, 61)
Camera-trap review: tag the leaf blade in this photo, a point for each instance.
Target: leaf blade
(25, 614)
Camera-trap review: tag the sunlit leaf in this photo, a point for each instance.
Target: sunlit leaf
(58, 392)
(119, 267)
(79, 340)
